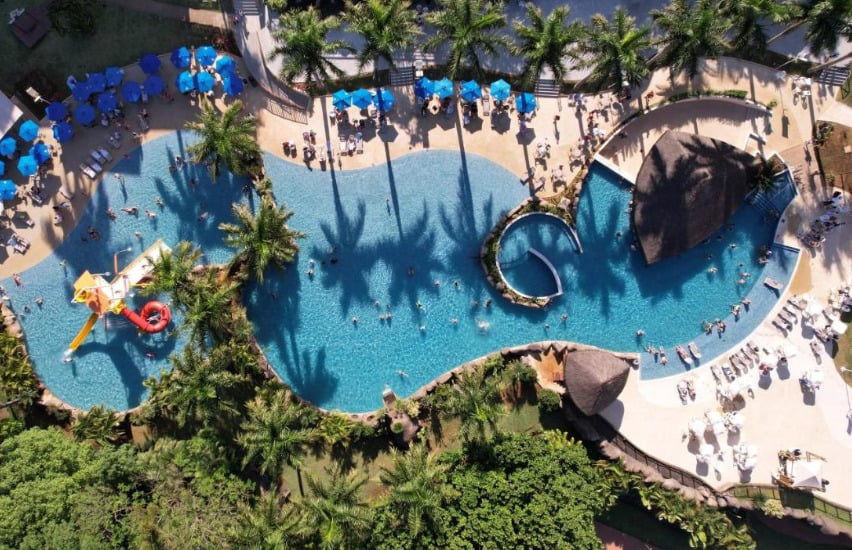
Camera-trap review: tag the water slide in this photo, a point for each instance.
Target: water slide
(87, 328)
(154, 317)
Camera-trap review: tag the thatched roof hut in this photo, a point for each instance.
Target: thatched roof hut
(687, 187)
(594, 378)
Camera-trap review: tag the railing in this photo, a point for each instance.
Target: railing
(800, 500)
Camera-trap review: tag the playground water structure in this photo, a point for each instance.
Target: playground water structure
(104, 297)
(428, 211)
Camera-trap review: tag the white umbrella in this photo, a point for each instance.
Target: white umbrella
(807, 474)
(814, 309)
(815, 377)
(697, 427)
(705, 453)
(838, 327)
(736, 420)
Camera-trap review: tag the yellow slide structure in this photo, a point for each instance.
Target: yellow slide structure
(87, 328)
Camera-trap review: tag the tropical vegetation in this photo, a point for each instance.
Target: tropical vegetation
(387, 27)
(613, 50)
(689, 32)
(225, 139)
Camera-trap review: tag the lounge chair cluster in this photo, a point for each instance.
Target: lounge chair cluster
(18, 243)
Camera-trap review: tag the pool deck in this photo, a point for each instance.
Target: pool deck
(648, 412)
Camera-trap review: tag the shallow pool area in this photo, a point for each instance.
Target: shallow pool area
(114, 361)
(398, 295)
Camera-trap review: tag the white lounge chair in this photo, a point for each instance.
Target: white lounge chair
(359, 144)
(88, 171)
(343, 148)
(104, 153)
(114, 142)
(97, 156)
(96, 167)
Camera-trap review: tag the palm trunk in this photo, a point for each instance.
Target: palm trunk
(301, 485)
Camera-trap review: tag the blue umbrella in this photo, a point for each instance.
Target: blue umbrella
(205, 56)
(131, 91)
(362, 98)
(225, 65)
(81, 91)
(154, 85)
(424, 88)
(149, 63)
(56, 111)
(107, 102)
(525, 103)
(28, 130)
(27, 165)
(63, 132)
(181, 58)
(471, 90)
(500, 90)
(384, 99)
(84, 114)
(204, 82)
(232, 85)
(185, 82)
(341, 99)
(40, 152)
(96, 82)
(114, 76)
(7, 190)
(444, 88)
(2, 167)
(8, 145)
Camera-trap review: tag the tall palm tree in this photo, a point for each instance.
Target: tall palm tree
(275, 435)
(749, 17)
(200, 390)
(261, 239)
(470, 27)
(99, 425)
(209, 312)
(173, 272)
(416, 490)
(227, 139)
(268, 525)
(545, 42)
(476, 402)
(613, 50)
(827, 21)
(335, 516)
(690, 32)
(303, 43)
(385, 25)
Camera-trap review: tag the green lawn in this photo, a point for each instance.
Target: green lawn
(119, 39)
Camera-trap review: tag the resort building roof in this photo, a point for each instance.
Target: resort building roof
(687, 187)
(594, 378)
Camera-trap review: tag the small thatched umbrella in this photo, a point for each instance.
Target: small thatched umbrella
(594, 378)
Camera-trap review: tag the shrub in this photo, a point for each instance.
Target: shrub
(773, 508)
(549, 400)
(396, 427)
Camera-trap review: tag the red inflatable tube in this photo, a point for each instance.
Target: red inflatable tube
(154, 317)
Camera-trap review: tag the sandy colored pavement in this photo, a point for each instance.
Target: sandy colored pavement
(648, 412)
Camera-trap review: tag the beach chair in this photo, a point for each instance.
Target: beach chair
(343, 148)
(114, 142)
(104, 153)
(97, 156)
(359, 144)
(142, 122)
(486, 106)
(88, 171)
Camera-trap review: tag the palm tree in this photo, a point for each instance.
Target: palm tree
(470, 27)
(476, 402)
(99, 424)
(173, 272)
(689, 33)
(275, 435)
(385, 25)
(748, 18)
(335, 516)
(304, 44)
(416, 490)
(261, 239)
(227, 139)
(269, 525)
(199, 390)
(545, 42)
(209, 313)
(613, 50)
(827, 21)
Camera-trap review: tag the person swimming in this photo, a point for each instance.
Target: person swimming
(132, 210)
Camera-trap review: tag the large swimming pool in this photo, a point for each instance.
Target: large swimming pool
(387, 245)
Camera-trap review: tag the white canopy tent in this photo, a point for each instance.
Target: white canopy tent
(838, 327)
(806, 474)
(9, 114)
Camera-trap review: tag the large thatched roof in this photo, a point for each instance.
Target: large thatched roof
(687, 187)
(594, 378)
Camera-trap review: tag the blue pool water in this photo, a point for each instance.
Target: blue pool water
(428, 211)
(110, 366)
(523, 271)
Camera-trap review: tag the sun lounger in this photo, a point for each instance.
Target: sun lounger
(729, 374)
(780, 326)
(359, 144)
(114, 142)
(343, 148)
(787, 316)
(486, 106)
(104, 153)
(142, 122)
(350, 144)
(88, 171)
(96, 167)
(717, 374)
(97, 156)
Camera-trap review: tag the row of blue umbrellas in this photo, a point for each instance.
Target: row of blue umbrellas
(471, 91)
(383, 99)
(203, 82)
